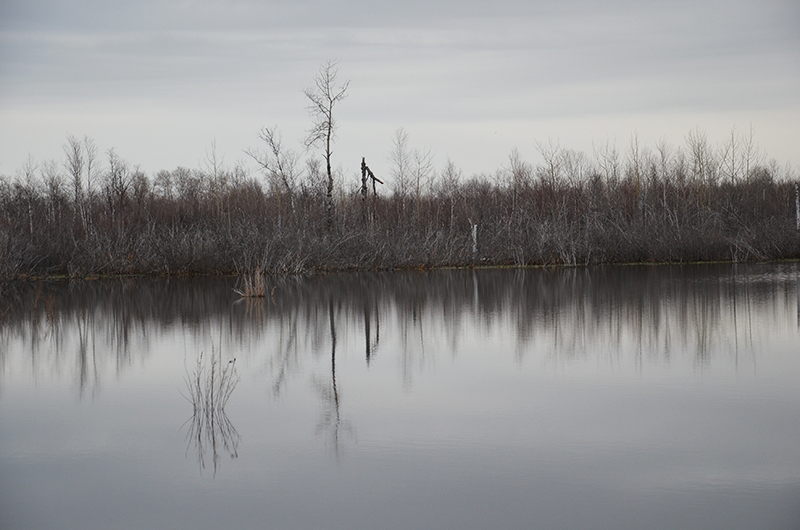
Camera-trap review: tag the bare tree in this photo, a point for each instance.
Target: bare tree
(752, 157)
(314, 182)
(520, 173)
(423, 171)
(26, 175)
(739, 156)
(664, 158)
(412, 171)
(215, 169)
(702, 156)
(449, 186)
(323, 96)
(637, 162)
(450, 179)
(91, 162)
(82, 169)
(163, 185)
(729, 163)
(53, 181)
(74, 166)
(27, 183)
(636, 157)
(608, 161)
(577, 166)
(552, 153)
(400, 161)
(278, 164)
(118, 181)
(366, 176)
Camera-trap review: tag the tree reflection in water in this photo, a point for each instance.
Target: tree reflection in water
(614, 317)
(331, 421)
(210, 431)
(618, 315)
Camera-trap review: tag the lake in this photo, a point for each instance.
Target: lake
(607, 397)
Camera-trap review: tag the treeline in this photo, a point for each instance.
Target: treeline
(85, 216)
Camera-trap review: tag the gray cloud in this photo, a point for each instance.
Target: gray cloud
(410, 62)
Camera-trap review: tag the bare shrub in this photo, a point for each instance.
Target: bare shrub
(671, 204)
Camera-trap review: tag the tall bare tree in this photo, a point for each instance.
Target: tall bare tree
(74, 166)
(118, 180)
(278, 164)
(423, 172)
(739, 156)
(91, 163)
(323, 96)
(216, 172)
(400, 160)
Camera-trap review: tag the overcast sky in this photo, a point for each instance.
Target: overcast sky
(161, 80)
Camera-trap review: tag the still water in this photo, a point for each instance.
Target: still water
(616, 397)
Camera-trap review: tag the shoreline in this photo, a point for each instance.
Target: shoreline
(355, 270)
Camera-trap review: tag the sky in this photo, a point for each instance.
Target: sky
(163, 81)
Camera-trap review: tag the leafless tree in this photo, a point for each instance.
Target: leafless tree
(91, 162)
(450, 178)
(26, 175)
(448, 187)
(752, 156)
(163, 185)
(520, 173)
(81, 165)
(53, 181)
(569, 210)
(412, 171)
(739, 155)
(664, 157)
(82, 170)
(28, 186)
(400, 162)
(424, 173)
(74, 165)
(553, 162)
(638, 158)
(323, 97)
(703, 159)
(279, 165)
(117, 180)
(314, 178)
(215, 169)
(608, 161)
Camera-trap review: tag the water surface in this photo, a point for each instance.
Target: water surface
(611, 397)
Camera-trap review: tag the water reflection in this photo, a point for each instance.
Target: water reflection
(615, 397)
(209, 430)
(331, 423)
(621, 316)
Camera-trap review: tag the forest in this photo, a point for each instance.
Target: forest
(90, 215)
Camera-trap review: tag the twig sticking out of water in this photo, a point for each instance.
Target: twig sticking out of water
(210, 387)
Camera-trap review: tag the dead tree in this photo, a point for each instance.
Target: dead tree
(367, 172)
(324, 95)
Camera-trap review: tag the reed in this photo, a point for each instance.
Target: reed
(252, 286)
(210, 431)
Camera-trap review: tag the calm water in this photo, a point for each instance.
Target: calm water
(619, 397)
